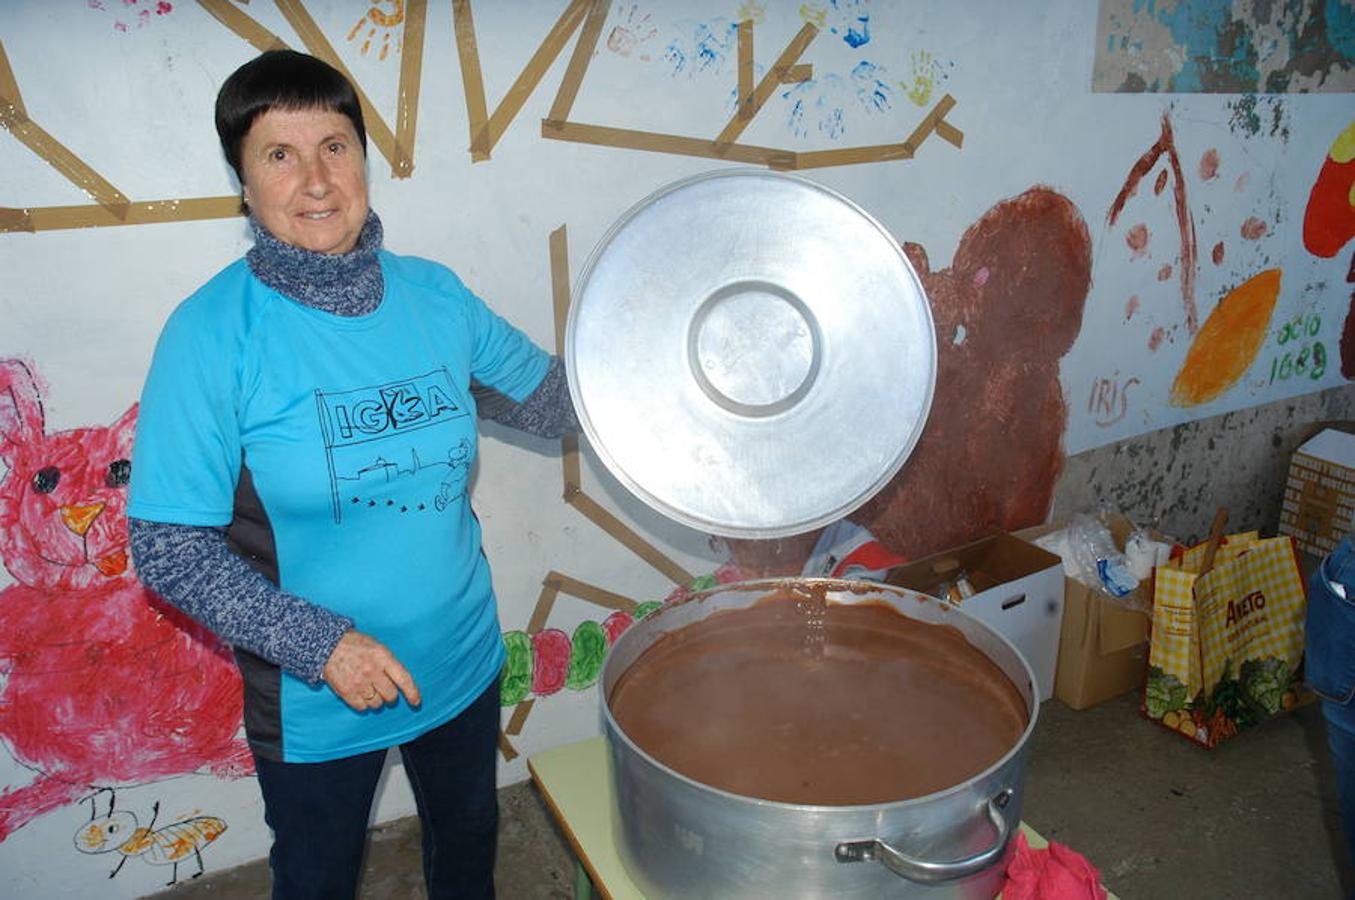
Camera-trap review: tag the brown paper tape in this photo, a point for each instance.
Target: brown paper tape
(506, 748)
(318, 45)
(14, 118)
(949, 133)
(294, 11)
(487, 135)
(557, 582)
(411, 79)
(594, 594)
(472, 80)
(545, 602)
(623, 535)
(519, 718)
(934, 121)
(767, 85)
(74, 170)
(628, 139)
(573, 476)
(12, 110)
(745, 69)
(56, 218)
(849, 156)
(232, 17)
(559, 284)
(579, 61)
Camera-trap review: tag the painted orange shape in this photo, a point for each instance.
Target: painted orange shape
(1228, 342)
(79, 517)
(1329, 220)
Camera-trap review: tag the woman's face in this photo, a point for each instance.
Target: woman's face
(305, 178)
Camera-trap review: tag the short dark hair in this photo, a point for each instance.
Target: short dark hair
(281, 79)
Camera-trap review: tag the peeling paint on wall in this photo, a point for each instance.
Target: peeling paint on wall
(1203, 46)
(1176, 477)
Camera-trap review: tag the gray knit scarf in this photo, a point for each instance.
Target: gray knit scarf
(346, 284)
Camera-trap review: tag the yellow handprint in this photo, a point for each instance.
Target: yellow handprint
(813, 14)
(751, 9)
(924, 78)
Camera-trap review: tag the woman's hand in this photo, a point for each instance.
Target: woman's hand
(366, 675)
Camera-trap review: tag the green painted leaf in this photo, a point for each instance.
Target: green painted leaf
(516, 681)
(585, 661)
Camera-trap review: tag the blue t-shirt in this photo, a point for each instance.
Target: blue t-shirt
(359, 434)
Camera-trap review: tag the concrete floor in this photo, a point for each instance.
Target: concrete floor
(1159, 817)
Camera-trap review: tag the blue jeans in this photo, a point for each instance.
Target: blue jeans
(1330, 665)
(319, 811)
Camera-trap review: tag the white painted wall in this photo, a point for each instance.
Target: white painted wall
(86, 304)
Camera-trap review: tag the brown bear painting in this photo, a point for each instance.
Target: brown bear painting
(1006, 311)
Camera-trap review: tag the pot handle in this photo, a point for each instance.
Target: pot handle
(926, 872)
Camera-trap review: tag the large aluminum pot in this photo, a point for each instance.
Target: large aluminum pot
(680, 838)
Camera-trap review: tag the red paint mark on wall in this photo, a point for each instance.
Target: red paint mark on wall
(616, 624)
(1131, 307)
(106, 684)
(1137, 238)
(1164, 273)
(140, 11)
(1217, 254)
(1253, 229)
(1329, 218)
(1165, 146)
(1155, 339)
(1209, 165)
(551, 648)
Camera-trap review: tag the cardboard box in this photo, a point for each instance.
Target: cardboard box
(1018, 593)
(1319, 495)
(1103, 646)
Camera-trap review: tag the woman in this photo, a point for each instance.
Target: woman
(300, 486)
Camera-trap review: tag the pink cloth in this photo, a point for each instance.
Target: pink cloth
(1054, 873)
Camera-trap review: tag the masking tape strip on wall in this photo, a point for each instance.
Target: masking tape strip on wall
(316, 42)
(411, 79)
(148, 212)
(485, 133)
(14, 118)
(769, 83)
(573, 485)
(114, 208)
(578, 62)
(933, 123)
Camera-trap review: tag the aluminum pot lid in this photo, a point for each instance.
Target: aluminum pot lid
(750, 353)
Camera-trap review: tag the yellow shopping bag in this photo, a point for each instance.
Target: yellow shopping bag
(1227, 638)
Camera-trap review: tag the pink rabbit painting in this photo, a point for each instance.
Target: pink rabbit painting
(101, 683)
